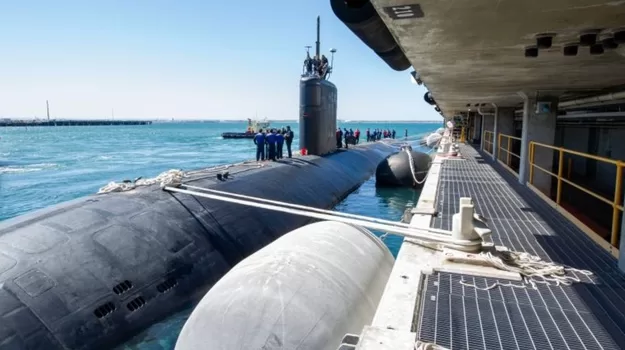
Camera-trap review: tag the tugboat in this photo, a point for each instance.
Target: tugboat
(252, 128)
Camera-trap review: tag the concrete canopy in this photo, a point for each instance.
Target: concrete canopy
(472, 51)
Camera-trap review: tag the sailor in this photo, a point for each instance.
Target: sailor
(339, 137)
(308, 64)
(368, 135)
(279, 143)
(259, 141)
(346, 134)
(357, 135)
(393, 133)
(323, 69)
(288, 138)
(316, 64)
(271, 145)
(406, 133)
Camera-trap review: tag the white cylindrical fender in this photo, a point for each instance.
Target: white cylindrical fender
(433, 139)
(305, 290)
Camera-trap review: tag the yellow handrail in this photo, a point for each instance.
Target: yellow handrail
(488, 142)
(615, 202)
(508, 148)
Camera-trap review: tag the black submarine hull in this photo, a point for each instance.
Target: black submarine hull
(93, 272)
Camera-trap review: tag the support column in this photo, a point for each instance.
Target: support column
(475, 134)
(488, 123)
(481, 132)
(538, 127)
(495, 133)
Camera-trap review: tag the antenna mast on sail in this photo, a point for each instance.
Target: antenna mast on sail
(318, 43)
(48, 110)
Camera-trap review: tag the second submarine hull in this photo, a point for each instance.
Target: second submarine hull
(91, 273)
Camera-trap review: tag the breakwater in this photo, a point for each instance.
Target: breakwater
(71, 122)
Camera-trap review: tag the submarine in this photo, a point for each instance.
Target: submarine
(95, 271)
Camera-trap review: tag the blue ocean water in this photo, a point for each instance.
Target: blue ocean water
(43, 166)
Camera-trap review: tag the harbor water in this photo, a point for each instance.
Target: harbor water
(43, 166)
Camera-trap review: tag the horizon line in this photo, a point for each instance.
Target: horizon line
(211, 119)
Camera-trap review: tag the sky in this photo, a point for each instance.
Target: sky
(193, 59)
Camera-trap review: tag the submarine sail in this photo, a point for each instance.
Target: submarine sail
(318, 103)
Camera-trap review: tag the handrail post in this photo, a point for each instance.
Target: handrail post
(498, 150)
(617, 202)
(569, 169)
(509, 140)
(531, 152)
(560, 169)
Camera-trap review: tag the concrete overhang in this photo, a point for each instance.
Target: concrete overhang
(473, 52)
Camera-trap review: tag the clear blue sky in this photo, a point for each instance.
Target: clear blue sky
(187, 60)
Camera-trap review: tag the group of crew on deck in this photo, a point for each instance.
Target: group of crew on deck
(269, 145)
(353, 137)
(317, 66)
(379, 134)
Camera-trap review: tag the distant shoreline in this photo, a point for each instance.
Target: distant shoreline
(35, 122)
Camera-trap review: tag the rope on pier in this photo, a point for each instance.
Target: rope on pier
(419, 345)
(412, 167)
(533, 269)
(440, 237)
(303, 207)
(413, 171)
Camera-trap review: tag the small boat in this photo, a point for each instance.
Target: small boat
(252, 128)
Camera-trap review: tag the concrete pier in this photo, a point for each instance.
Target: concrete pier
(564, 70)
(425, 301)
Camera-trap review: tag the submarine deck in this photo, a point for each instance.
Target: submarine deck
(423, 304)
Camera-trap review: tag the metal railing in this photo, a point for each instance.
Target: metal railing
(488, 142)
(507, 149)
(615, 202)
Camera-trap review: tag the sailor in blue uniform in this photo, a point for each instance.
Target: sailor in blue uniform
(288, 138)
(280, 143)
(259, 141)
(271, 145)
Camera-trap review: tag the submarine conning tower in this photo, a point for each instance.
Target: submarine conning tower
(318, 102)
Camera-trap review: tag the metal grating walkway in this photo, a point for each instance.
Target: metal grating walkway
(586, 315)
